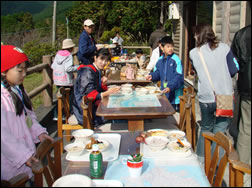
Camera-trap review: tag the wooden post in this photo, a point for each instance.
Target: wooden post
(47, 79)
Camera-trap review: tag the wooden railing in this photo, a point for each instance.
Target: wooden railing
(47, 85)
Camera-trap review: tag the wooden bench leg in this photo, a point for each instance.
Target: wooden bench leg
(136, 125)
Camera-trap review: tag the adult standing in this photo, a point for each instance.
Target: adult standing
(118, 39)
(241, 47)
(155, 36)
(87, 43)
(221, 65)
(155, 56)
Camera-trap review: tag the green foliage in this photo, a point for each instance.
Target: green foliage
(16, 23)
(135, 157)
(35, 51)
(31, 82)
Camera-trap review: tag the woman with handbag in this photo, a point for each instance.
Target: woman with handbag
(215, 64)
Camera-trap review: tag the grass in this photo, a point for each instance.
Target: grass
(31, 82)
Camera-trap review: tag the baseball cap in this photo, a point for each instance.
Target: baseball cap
(11, 56)
(88, 22)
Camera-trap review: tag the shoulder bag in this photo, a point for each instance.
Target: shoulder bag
(224, 103)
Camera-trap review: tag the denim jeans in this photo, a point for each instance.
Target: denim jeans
(210, 123)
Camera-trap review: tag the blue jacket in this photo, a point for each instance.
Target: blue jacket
(170, 70)
(87, 83)
(86, 48)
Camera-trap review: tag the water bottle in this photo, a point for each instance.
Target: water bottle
(95, 158)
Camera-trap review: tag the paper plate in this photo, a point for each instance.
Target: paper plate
(73, 180)
(158, 132)
(102, 147)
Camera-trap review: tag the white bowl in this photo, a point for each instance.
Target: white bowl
(126, 85)
(73, 180)
(175, 147)
(83, 135)
(156, 143)
(141, 91)
(158, 132)
(75, 148)
(126, 90)
(175, 135)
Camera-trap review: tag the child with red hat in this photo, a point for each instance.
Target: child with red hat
(20, 129)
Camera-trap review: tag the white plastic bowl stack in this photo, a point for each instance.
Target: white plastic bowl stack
(83, 135)
(156, 143)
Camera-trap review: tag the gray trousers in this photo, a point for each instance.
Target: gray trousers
(244, 135)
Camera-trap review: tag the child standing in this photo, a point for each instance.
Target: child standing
(141, 58)
(63, 69)
(20, 129)
(169, 72)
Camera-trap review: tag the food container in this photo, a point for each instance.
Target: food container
(141, 91)
(75, 148)
(73, 180)
(156, 143)
(176, 134)
(126, 85)
(151, 89)
(176, 147)
(126, 90)
(83, 135)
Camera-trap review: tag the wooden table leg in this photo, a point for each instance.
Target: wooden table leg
(136, 125)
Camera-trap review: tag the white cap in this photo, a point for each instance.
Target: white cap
(88, 22)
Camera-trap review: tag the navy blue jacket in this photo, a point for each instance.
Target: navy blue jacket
(170, 70)
(87, 83)
(86, 48)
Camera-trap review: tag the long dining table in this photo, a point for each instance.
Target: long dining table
(165, 170)
(135, 109)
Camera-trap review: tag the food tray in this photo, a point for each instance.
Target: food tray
(110, 154)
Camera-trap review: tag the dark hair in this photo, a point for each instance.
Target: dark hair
(16, 100)
(205, 34)
(103, 53)
(166, 40)
(139, 51)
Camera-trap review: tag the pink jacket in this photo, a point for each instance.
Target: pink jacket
(17, 140)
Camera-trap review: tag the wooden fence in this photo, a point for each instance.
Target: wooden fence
(47, 85)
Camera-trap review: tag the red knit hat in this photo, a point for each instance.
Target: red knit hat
(11, 56)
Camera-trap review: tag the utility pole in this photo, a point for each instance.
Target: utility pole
(67, 28)
(54, 23)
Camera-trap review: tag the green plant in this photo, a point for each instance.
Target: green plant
(35, 50)
(135, 158)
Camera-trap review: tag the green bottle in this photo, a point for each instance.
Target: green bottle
(95, 158)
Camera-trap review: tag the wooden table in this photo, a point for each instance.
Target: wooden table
(127, 146)
(136, 115)
(115, 78)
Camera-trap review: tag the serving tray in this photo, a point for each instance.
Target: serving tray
(110, 154)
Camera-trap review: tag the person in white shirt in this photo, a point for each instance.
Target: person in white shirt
(118, 38)
(156, 54)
